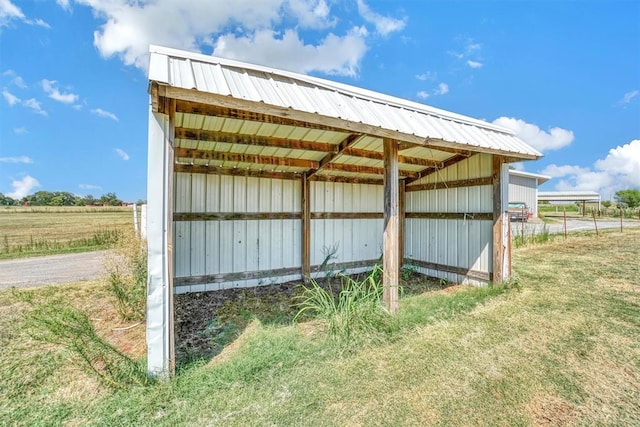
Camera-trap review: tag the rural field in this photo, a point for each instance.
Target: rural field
(45, 230)
(560, 345)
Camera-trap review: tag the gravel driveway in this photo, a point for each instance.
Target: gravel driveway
(39, 271)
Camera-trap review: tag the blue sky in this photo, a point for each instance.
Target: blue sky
(564, 75)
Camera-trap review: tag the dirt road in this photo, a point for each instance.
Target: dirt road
(39, 271)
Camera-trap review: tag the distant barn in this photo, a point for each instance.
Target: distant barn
(523, 187)
(254, 172)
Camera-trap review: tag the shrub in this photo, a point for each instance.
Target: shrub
(56, 322)
(127, 273)
(356, 309)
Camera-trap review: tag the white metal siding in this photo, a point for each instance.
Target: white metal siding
(524, 189)
(355, 239)
(457, 243)
(217, 247)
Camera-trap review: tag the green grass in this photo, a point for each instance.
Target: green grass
(561, 346)
(41, 230)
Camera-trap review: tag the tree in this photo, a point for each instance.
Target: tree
(629, 198)
(7, 201)
(110, 199)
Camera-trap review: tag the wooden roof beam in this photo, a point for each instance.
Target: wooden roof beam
(436, 167)
(344, 144)
(377, 155)
(261, 141)
(244, 158)
(343, 167)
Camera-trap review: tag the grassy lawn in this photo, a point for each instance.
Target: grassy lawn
(561, 346)
(42, 230)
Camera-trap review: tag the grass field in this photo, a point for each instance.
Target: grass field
(559, 347)
(41, 230)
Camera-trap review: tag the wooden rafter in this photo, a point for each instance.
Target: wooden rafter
(436, 166)
(216, 170)
(472, 182)
(190, 107)
(347, 179)
(377, 155)
(344, 144)
(245, 158)
(261, 141)
(343, 167)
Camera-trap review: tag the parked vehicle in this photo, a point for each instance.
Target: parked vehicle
(518, 211)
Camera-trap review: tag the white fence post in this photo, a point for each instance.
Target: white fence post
(143, 221)
(135, 219)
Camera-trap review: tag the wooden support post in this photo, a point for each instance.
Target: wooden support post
(498, 219)
(391, 230)
(306, 229)
(401, 219)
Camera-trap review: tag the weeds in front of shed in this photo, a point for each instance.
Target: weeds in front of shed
(127, 273)
(536, 236)
(57, 322)
(356, 308)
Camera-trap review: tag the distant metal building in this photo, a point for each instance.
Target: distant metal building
(523, 187)
(253, 172)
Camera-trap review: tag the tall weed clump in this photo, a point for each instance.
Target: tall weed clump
(57, 322)
(127, 274)
(352, 312)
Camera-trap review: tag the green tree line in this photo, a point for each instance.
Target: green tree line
(60, 198)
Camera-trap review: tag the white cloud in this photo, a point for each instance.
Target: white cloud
(9, 12)
(104, 113)
(10, 98)
(89, 187)
(334, 55)
(20, 131)
(443, 88)
(619, 170)
(312, 13)
(34, 105)
(628, 97)
(474, 64)
(122, 154)
(624, 161)
(429, 75)
(64, 4)
(20, 159)
(468, 51)
(423, 94)
(23, 187)
(268, 32)
(49, 87)
(554, 139)
(384, 25)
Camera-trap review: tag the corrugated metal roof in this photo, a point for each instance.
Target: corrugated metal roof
(541, 178)
(308, 94)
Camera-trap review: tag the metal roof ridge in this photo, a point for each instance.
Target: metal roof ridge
(336, 86)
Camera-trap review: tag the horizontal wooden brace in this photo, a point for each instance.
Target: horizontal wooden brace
(378, 155)
(244, 158)
(346, 215)
(256, 216)
(450, 184)
(261, 141)
(472, 274)
(230, 277)
(364, 169)
(467, 216)
(266, 274)
(347, 179)
(234, 216)
(216, 170)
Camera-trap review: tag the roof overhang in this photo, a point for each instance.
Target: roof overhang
(540, 178)
(242, 118)
(568, 196)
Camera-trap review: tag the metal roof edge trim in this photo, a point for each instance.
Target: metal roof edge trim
(328, 84)
(529, 175)
(344, 124)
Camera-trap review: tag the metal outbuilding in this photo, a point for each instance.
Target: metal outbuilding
(255, 172)
(523, 187)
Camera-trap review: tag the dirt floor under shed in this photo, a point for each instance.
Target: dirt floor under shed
(205, 322)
